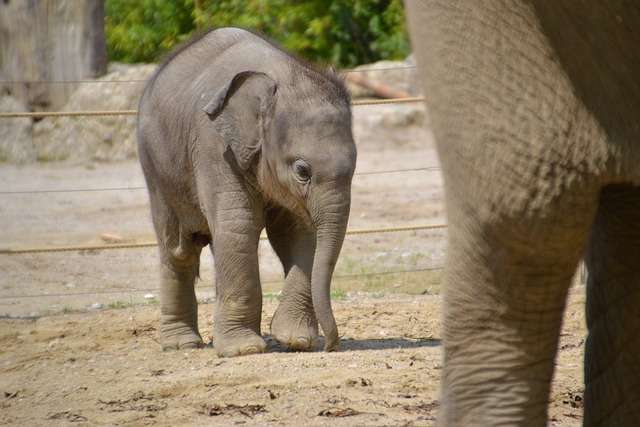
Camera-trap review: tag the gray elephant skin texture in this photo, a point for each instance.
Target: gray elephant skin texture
(535, 107)
(235, 136)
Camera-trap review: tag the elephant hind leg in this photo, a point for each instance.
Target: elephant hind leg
(179, 266)
(612, 355)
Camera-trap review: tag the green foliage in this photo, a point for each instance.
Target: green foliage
(341, 32)
(141, 30)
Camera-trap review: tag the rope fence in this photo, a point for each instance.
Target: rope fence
(40, 114)
(388, 101)
(148, 244)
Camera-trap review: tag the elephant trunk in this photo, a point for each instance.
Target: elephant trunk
(331, 228)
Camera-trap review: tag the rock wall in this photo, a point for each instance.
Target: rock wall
(16, 143)
(50, 40)
(95, 138)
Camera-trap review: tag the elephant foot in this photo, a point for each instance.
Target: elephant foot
(232, 346)
(298, 331)
(182, 337)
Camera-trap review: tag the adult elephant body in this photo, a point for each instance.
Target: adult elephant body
(535, 106)
(235, 136)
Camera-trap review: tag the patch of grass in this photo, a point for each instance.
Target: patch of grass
(271, 296)
(152, 301)
(338, 294)
(46, 158)
(362, 275)
(115, 305)
(68, 310)
(379, 275)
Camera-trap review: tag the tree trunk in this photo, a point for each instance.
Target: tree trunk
(50, 40)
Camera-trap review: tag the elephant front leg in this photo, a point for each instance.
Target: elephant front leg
(238, 310)
(294, 323)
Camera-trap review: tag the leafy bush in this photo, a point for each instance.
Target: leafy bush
(341, 32)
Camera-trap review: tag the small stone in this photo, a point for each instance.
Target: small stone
(149, 296)
(96, 306)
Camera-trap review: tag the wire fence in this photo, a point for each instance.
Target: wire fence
(134, 245)
(143, 187)
(206, 287)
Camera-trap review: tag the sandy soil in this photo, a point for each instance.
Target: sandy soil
(107, 369)
(64, 362)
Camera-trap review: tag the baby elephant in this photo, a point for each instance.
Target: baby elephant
(235, 135)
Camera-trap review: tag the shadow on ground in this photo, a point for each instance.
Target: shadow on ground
(350, 344)
(387, 343)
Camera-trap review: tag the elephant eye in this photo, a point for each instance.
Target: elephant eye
(302, 171)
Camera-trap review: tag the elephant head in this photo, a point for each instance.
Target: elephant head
(294, 140)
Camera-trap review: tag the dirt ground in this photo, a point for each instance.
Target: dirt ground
(107, 369)
(78, 338)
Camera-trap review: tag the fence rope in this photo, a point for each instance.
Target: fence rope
(82, 113)
(64, 82)
(142, 187)
(70, 113)
(147, 244)
(204, 287)
(381, 172)
(388, 101)
(346, 71)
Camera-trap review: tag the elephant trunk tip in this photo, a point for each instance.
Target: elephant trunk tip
(332, 343)
(322, 307)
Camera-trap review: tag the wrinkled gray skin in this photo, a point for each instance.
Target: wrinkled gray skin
(235, 136)
(535, 107)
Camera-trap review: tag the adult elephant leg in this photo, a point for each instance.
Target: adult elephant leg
(612, 356)
(504, 296)
(522, 160)
(294, 323)
(179, 265)
(237, 224)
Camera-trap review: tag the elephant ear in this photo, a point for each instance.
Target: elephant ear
(241, 113)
